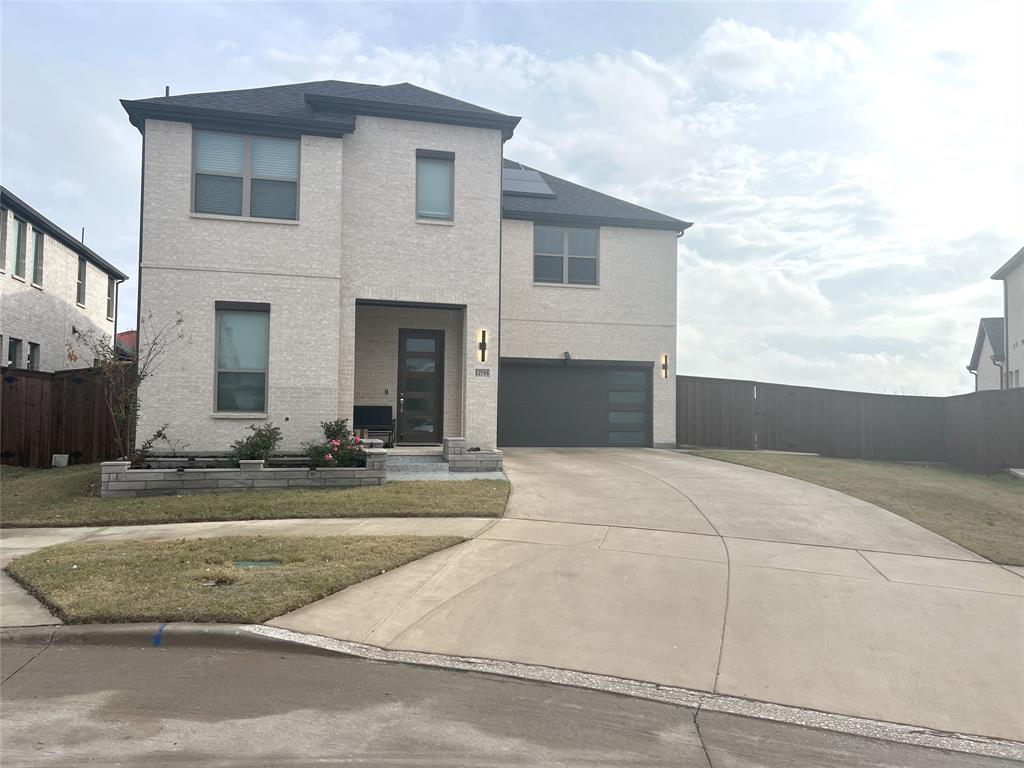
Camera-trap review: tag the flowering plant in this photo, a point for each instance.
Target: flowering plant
(339, 449)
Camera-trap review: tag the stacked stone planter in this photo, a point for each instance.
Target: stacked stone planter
(460, 459)
(117, 479)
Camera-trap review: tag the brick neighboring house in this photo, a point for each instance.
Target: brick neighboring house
(334, 245)
(50, 283)
(988, 356)
(1012, 275)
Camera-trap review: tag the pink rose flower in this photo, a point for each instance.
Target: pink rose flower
(358, 440)
(335, 442)
(328, 457)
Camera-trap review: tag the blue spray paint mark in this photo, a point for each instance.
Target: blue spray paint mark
(158, 636)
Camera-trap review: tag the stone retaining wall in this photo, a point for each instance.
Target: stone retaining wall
(116, 479)
(461, 459)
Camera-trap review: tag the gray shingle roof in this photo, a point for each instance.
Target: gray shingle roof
(579, 204)
(994, 328)
(330, 102)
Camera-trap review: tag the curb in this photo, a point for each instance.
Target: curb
(238, 637)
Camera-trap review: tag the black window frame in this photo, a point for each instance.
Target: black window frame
(434, 154)
(566, 256)
(246, 175)
(82, 277)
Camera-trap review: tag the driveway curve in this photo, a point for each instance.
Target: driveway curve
(659, 566)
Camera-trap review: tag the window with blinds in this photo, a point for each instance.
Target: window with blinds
(246, 175)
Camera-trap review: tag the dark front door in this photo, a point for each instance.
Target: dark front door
(420, 386)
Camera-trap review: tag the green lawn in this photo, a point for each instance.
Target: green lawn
(200, 580)
(984, 513)
(65, 497)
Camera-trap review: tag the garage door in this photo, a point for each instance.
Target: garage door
(579, 403)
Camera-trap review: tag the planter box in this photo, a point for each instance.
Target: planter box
(117, 479)
(461, 459)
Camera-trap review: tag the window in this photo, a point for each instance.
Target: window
(38, 241)
(3, 239)
(19, 247)
(435, 185)
(111, 294)
(14, 353)
(80, 295)
(566, 255)
(33, 356)
(246, 176)
(243, 347)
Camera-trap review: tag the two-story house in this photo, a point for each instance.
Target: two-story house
(988, 355)
(333, 245)
(50, 284)
(1012, 275)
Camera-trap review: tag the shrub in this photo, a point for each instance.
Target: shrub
(337, 430)
(261, 444)
(335, 452)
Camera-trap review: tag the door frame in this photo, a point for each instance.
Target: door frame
(439, 371)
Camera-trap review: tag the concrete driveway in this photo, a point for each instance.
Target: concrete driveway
(659, 566)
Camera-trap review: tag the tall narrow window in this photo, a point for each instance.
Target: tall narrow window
(435, 185)
(14, 353)
(33, 356)
(38, 242)
(243, 351)
(246, 175)
(111, 296)
(3, 239)
(80, 294)
(20, 234)
(565, 255)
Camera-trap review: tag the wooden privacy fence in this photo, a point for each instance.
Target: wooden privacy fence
(979, 432)
(45, 413)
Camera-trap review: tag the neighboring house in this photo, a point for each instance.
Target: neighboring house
(988, 356)
(333, 245)
(50, 283)
(1012, 275)
(125, 343)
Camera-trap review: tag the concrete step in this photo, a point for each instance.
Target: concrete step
(420, 458)
(417, 466)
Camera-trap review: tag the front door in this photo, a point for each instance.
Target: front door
(420, 386)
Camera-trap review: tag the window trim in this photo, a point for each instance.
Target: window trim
(565, 256)
(246, 177)
(38, 249)
(20, 244)
(238, 306)
(433, 154)
(111, 296)
(81, 278)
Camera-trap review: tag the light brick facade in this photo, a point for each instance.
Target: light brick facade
(1014, 283)
(45, 314)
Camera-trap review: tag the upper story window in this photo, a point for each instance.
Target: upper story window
(254, 176)
(3, 239)
(19, 235)
(38, 242)
(566, 255)
(80, 292)
(435, 185)
(111, 297)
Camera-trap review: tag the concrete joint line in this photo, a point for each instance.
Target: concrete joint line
(684, 697)
(35, 656)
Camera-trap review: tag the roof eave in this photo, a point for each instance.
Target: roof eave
(140, 111)
(673, 225)
(16, 204)
(1015, 261)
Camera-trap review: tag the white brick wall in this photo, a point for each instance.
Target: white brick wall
(45, 315)
(1015, 321)
(631, 315)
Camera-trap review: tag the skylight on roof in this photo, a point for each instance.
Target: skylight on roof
(517, 181)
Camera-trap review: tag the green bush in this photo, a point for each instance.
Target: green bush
(337, 430)
(261, 444)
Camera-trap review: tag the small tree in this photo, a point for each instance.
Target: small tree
(120, 378)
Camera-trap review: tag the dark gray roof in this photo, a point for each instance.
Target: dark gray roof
(1015, 261)
(575, 204)
(10, 200)
(994, 328)
(323, 106)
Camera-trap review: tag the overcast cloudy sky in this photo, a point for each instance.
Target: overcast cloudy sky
(855, 172)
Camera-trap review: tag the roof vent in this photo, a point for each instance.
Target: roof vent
(524, 183)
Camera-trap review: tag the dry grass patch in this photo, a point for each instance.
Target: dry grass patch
(65, 497)
(202, 579)
(984, 513)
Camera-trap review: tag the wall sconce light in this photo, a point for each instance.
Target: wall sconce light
(664, 366)
(482, 346)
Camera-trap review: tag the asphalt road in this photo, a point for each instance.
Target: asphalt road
(114, 706)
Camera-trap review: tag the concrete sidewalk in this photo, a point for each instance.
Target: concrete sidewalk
(18, 608)
(658, 566)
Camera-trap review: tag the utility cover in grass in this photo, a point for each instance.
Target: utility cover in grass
(201, 579)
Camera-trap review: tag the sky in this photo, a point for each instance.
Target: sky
(854, 172)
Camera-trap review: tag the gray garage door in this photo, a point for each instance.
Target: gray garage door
(579, 403)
